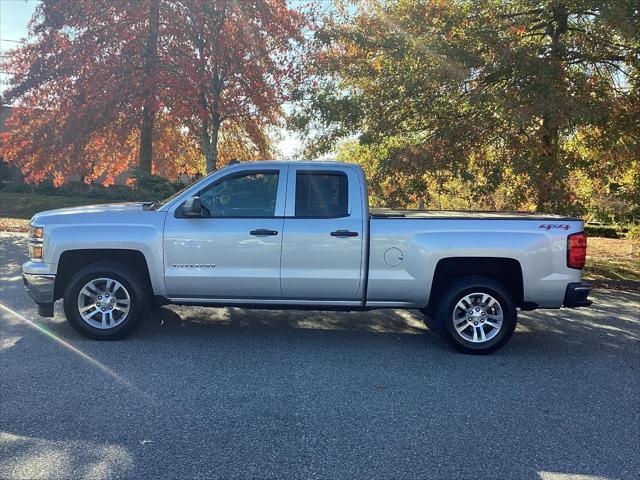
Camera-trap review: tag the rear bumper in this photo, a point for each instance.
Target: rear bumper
(576, 295)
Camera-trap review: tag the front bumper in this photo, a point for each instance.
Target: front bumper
(576, 295)
(41, 289)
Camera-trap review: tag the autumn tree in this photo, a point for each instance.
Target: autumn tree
(100, 87)
(236, 57)
(484, 101)
(84, 88)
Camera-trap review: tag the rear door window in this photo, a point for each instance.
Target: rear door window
(322, 195)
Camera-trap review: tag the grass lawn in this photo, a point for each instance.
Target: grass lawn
(611, 263)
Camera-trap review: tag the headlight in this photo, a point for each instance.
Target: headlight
(36, 233)
(36, 236)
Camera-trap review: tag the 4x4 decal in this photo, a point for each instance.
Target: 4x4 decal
(561, 226)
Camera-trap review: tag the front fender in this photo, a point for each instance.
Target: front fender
(146, 239)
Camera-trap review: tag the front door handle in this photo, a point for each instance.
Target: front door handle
(344, 233)
(263, 232)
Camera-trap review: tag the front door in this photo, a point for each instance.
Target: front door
(232, 251)
(322, 246)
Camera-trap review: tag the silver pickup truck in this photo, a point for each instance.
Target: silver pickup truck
(301, 235)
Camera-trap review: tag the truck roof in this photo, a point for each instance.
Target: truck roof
(297, 162)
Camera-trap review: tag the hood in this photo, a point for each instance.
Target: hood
(66, 214)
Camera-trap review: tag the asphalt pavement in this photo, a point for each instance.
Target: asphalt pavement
(233, 393)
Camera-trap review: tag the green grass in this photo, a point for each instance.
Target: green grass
(613, 269)
(613, 263)
(25, 205)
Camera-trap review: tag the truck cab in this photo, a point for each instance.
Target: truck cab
(261, 235)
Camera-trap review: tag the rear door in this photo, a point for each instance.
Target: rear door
(322, 243)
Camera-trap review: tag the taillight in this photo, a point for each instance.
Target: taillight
(576, 250)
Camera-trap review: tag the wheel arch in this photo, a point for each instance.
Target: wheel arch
(507, 271)
(73, 260)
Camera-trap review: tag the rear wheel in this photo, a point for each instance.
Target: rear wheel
(105, 300)
(477, 315)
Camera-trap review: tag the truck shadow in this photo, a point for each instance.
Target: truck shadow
(390, 321)
(578, 331)
(277, 328)
(610, 325)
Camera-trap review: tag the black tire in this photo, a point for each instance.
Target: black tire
(131, 280)
(459, 290)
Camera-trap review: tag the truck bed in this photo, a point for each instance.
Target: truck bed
(464, 215)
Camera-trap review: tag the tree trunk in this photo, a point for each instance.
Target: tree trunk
(210, 133)
(210, 125)
(549, 171)
(211, 118)
(145, 160)
(212, 158)
(546, 181)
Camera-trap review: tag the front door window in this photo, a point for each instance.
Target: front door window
(242, 195)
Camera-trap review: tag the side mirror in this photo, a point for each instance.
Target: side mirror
(192, 207)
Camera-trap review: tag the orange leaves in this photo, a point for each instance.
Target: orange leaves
(89, 71)
(519, 30)
(79, 92)
(235, 54)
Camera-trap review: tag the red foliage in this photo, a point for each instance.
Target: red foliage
(83, 78)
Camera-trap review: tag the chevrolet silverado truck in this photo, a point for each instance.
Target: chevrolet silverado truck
(301, 235)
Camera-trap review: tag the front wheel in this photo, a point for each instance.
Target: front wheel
(477, 315)
(105, 300)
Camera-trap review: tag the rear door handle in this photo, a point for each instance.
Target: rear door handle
(344, 233)
(263, 232)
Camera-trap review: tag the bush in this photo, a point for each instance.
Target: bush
(634, 232)
(606, 231)
(153, 187)
(146, 188)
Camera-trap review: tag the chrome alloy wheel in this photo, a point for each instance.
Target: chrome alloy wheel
(104, 303)
(477, 317)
